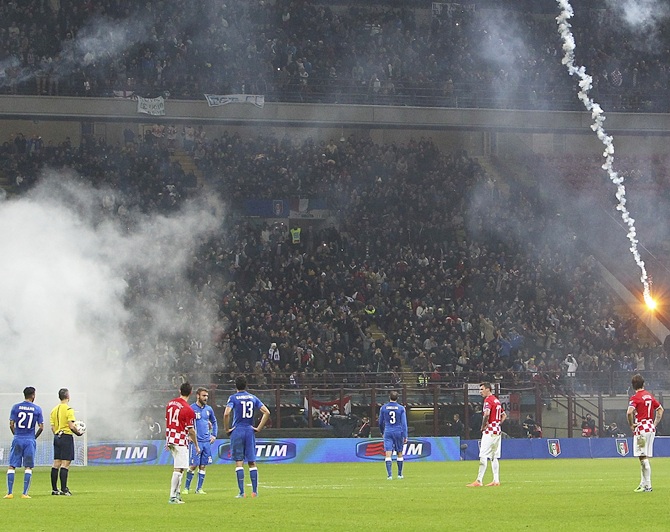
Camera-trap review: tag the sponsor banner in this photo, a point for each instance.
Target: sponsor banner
(414, 449)
(525, 448)
(216, 100)
(266, 451)
(151, 106)
(126, 453)
(296, 450)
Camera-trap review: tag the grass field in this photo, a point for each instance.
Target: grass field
(539, 494)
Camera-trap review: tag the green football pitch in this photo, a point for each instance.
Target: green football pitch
(535, 494)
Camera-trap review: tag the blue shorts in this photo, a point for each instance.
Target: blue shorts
(22, 452)
(205, 456)
(393, 441)
(243, 444)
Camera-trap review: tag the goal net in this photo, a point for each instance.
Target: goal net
(44, 454)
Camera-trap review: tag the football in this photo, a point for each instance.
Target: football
(80, 426)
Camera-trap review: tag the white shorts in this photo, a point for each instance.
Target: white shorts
(180, 456)
(643, 444)
(490, 446)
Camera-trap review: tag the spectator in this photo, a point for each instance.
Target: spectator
(531, 428)
(588, 427)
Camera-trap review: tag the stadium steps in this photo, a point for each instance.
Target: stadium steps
(555, 417)
(497, 174)
(376, 333)
(187, 163)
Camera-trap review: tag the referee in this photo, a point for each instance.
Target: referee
(62, 425)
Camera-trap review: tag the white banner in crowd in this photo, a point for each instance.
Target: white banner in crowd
(214, 100)
(151, 106)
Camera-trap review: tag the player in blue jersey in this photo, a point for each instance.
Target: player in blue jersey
(393, 426)
(244, 406)
(206, 429)
(26, 423)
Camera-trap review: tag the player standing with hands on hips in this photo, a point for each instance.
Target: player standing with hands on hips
(243, 407)
(393, 426)
(644, 414)
(493, 416)
(179, 429)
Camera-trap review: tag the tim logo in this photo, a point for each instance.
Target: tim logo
(554, 447)
(121, 454)
(266, 451)
(622, 447)
(374, 450)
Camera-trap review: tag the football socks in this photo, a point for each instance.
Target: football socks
(239, 472)
(253, 473)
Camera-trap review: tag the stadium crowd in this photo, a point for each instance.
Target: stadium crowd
(425, 265)
(467, 54)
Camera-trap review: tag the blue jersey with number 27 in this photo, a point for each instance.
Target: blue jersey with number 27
(26, 416)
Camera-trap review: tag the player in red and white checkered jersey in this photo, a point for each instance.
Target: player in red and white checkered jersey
(492, 420)
(644, 414)
(179, 429)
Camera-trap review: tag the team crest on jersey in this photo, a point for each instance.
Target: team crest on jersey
(554, 447)
(622, 446)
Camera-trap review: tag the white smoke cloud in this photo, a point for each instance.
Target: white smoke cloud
(640, 14)
(64, 314)
(598, 117)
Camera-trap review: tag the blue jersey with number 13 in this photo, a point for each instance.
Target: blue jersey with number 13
(244, 406)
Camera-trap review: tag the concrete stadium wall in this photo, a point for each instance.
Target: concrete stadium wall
(479, 131)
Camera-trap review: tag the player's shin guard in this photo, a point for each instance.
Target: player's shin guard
(253, 473)
(201, 478)
(54, 478)
(175, 483)
(400, 462)
(239, 471)
(495, 467)
(483, 462)
(27, 477)
(389, 463)
(189, 478)
(63, 478)
(10, 481)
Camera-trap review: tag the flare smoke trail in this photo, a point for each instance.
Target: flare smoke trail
(598, 117)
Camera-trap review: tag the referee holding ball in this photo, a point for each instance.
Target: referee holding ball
(63, 427)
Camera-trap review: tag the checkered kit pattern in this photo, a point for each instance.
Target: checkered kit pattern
(493, 428)
(174, 437)
(646, 425)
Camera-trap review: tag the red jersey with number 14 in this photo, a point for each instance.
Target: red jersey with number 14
(492, 404)
(179, 417)
(645, 406)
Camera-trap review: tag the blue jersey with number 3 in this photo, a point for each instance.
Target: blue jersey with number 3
(392, 419)
(244, 406)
